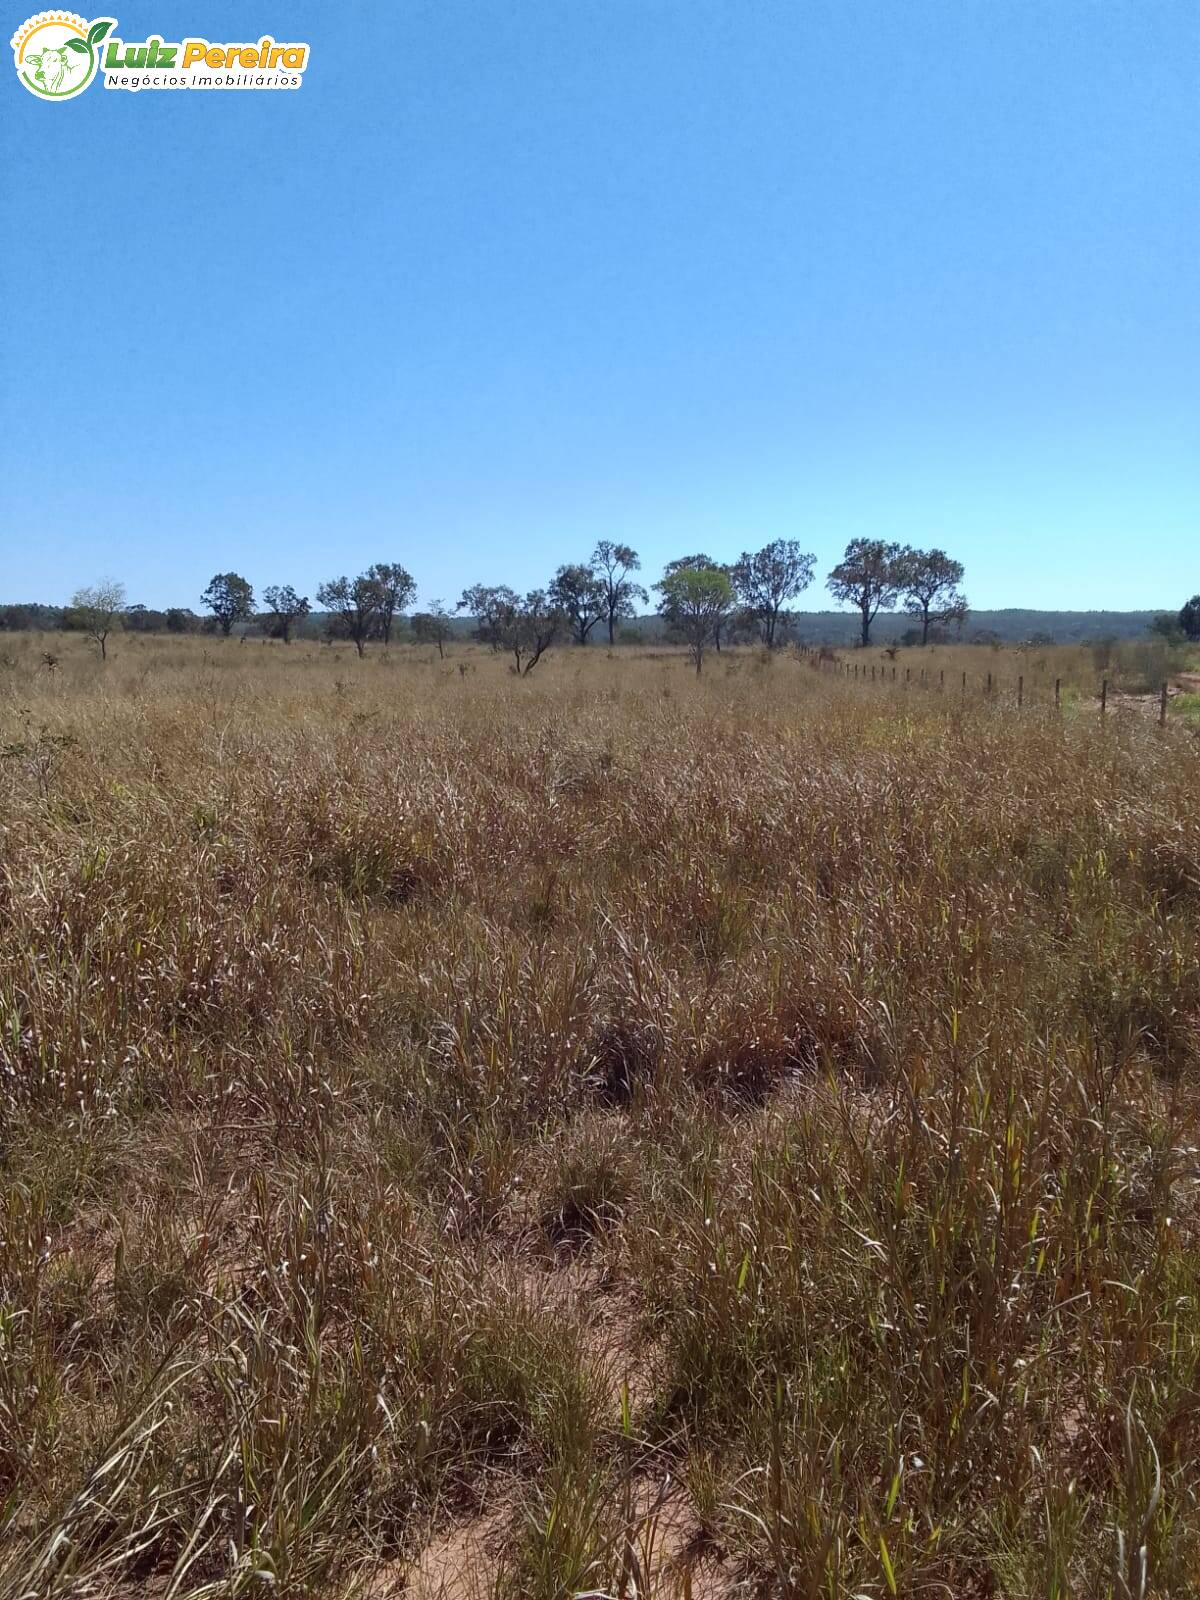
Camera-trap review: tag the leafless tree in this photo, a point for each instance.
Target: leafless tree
(97, 611)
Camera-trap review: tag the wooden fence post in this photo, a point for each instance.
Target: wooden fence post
(1020, 691)
(1103, 696)
(1162, 706)
(989, 685)
(1057, 691)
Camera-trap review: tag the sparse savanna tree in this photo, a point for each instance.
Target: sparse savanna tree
(355, 604)
(434, 626)
(869, 576)
(287, 608)
(705, 563)
(140, 619)
(695, 602)
(767, 579)
(533, 628)
(524, 627)
(613, 565)
(396, 589)
(929, 581)
(1189, 618)
(489, 604)
(96, 610)
(581, 595)
(230, 599)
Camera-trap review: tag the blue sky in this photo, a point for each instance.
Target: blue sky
(507, 276)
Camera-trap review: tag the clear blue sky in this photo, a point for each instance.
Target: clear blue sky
(506, 276)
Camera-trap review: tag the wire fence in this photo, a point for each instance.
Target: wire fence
(989, 686)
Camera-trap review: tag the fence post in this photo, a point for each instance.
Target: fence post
(1020, 691)
(989, 685)
(1103, 696)
(1057, 691)
(893, 674)
(942, 678)
(1162, 706)
(964, 688)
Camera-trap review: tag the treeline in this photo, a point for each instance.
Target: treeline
(700, 602)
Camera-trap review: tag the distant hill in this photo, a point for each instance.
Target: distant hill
(1013, 626)
(1010, 627)
(809, 627)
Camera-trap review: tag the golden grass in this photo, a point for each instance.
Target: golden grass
(425, 1091)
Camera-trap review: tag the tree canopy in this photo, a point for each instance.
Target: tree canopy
(613, 565)
(230, 599)
(356, 604)
(580, 594)
(695, 601)
(97, 609)
(396, 590)
(286, 608)
(929, 581)
(870, 576)
(767, 579)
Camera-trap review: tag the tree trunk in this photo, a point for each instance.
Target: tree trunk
(441, 652)
(925, 625)
(612, 628)
(866, 627)
(360, 646)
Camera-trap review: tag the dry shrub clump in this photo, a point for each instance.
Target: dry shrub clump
(728, 1137)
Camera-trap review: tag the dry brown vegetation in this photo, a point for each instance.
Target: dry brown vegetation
(601, 1132)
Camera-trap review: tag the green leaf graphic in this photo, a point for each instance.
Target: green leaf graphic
(97, 31)
(77, 44)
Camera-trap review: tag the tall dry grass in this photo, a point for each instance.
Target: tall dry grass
(424, 1091)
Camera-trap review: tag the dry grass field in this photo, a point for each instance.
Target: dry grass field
(602, 1133)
